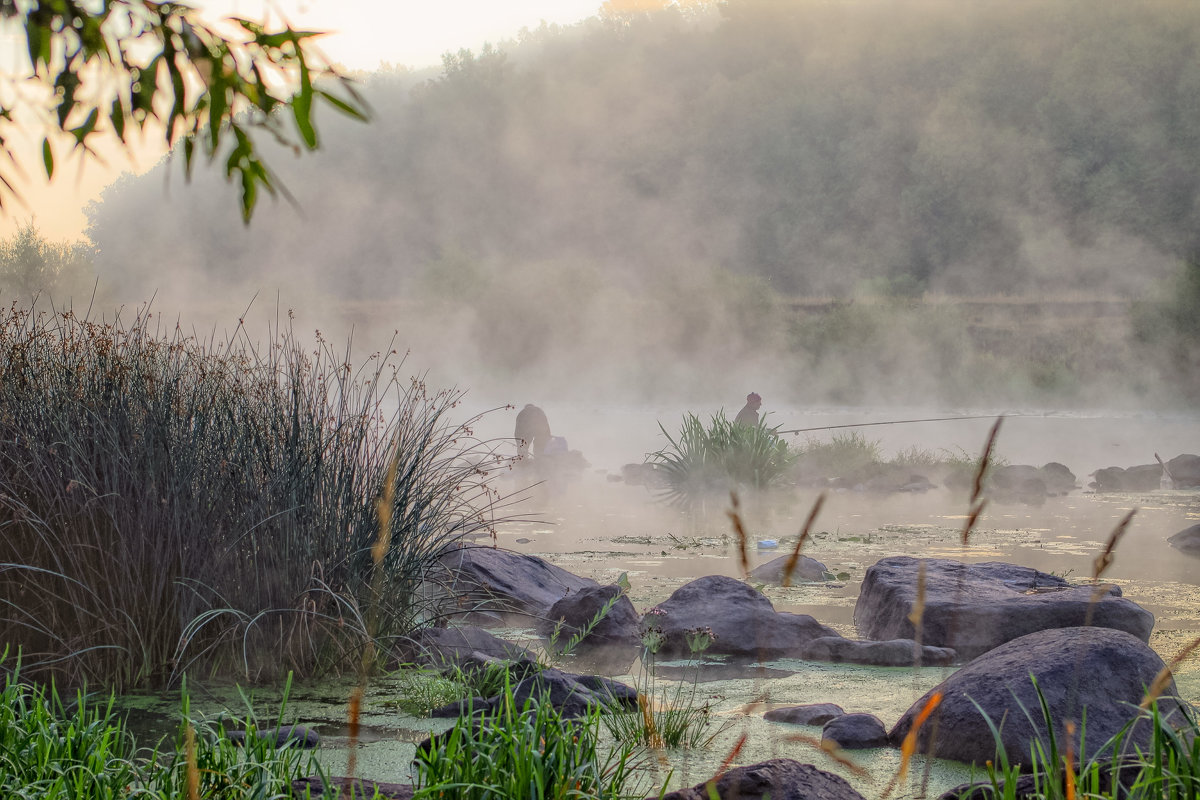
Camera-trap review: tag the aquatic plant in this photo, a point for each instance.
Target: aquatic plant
(701, 461)
(170, 504)
(82, 750)
(527, 750)
(666, 717)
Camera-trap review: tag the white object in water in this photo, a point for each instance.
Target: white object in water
(767, 544)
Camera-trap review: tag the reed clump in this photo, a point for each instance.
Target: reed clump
(706, 461)
(169, 504)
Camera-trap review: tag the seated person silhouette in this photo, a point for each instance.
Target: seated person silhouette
(749, 413)
(532, 432)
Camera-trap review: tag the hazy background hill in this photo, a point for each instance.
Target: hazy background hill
(632, 205)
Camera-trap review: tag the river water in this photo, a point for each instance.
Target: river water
(595, 525)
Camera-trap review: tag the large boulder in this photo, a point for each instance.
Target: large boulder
(504, 582)
(778, 779)
(744, 622)
(574, 613)
(972, 608)
(1098, 671)
(806, 569)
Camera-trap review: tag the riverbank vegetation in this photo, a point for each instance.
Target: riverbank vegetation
(173, 505)
(715, 161)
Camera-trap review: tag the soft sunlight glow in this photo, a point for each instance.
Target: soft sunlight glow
(364, 35)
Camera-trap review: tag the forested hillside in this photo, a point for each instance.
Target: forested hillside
(745, 150)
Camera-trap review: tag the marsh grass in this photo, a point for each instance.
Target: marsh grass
(169, 504)
(1167, 769)
(527, 750)
(667, 717)
(842, 455)
(702, 462)
(52, 749)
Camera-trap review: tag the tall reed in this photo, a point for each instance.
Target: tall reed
(171, 504)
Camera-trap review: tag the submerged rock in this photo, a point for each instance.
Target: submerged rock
(973, 608)
(892, 653)
(779, 779)
(1101, 670)
(855, 732)
(342, 787)
(572, 695)
(1187, 540)
(807, 569)
(811, 714)
(286, 736)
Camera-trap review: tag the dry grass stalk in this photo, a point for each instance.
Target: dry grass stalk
(354, 714)
(1069, 762)
(383, 509)
(917, 615)
(831, 749)
(739, 530)
(729, 758)
(978, 503)
(1159, 684)
(193, 770)
(1105, 559)
(908, 747)
(808, 523)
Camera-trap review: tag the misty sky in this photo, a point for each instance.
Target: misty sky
(364, 34)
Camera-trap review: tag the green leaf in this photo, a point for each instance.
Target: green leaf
(117, 115)
(48, 158)
(302, 108)
(342, 106)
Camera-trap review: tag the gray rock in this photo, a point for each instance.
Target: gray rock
(1101, 670)
(744, 621)
(1058, 478)
(855, 732)
(811, 714)
(779, 779)
(892, 653)
(807, 569)
(1142, 478)
(1185, 471)
(972, 608)
(504, 582)
(1187, 540)
(287, 736)
(458, 647)
(572, 695)
(576, 611)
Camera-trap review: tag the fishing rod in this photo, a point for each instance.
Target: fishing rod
(895, 422)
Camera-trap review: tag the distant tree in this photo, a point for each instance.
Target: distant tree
(31, 266)
(118, 66)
